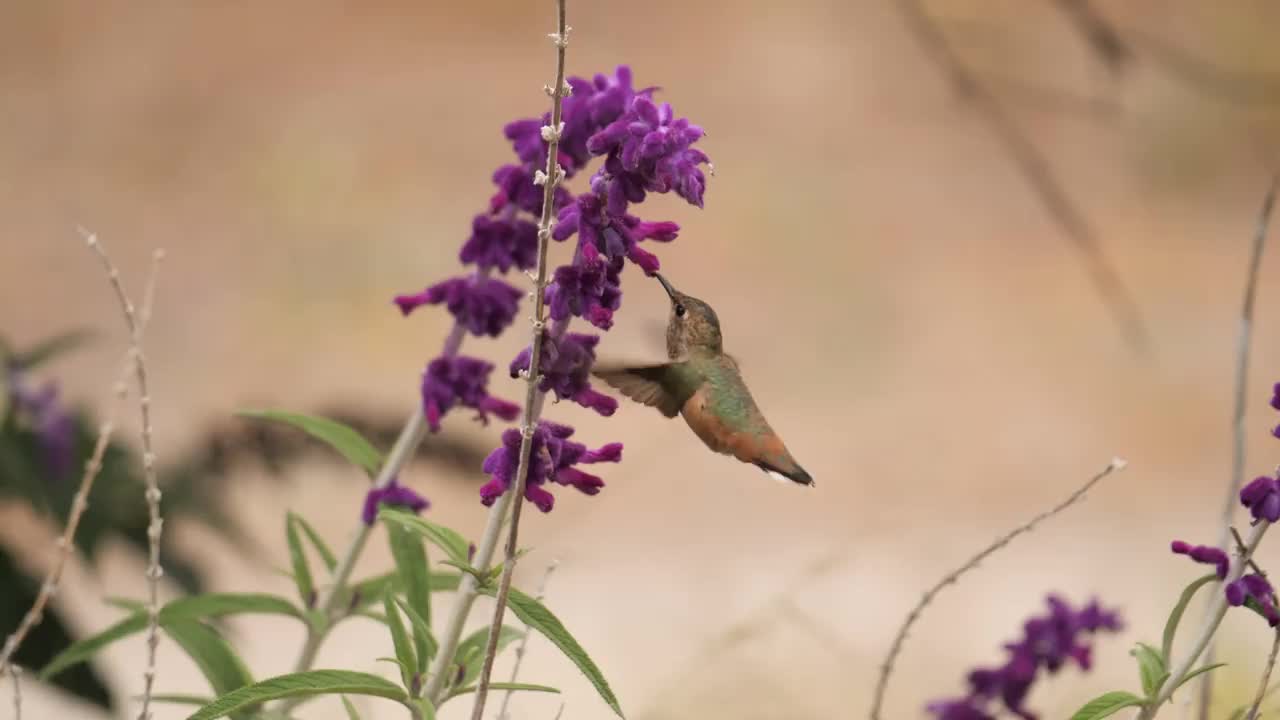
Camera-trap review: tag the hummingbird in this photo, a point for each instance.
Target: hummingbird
(703, 383)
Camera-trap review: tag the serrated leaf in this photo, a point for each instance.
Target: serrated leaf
(217, 661)
(1175, 616)
(298, 559)
(470, 652)
(304, 684)
(351, 709)
(1194, 673)
(536, 616)
(210, 605)
(317, 542)
(424, 642)
(351, 444)
(1151, 669)
(400, 639)
(1107, 705)
(411, 562)
(453, 544)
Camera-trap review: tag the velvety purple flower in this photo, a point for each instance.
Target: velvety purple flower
(393, 495)
(613, 234)
(53, 426)
(553, 457)
(1204, 554)
(1049, 642)
(649, 149)
(566, 368)
(1262, 497)
(516, 187)
(502, 243)
(589, 288)
(461, 380)
(485, 306)
(1255, 588)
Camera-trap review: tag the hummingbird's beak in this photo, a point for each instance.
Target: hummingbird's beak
(666, 285)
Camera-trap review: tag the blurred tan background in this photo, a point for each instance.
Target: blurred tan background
(912, 320)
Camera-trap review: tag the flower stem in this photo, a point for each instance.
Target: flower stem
(1217, 610)
(532, 403)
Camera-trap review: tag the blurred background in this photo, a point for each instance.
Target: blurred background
(919, 317)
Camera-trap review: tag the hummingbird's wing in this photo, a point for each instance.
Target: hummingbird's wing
(666, 386)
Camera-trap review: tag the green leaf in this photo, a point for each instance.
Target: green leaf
(1175, 617)
(536, 616)
(369, 591)
(351, 709)
(298, 559)
(180, 699)
(1107, 705)
(411, 562)
(482, 578)
(50, 348)
(189, 608)
(507, 686)
(470, 652)
(345, 440)
(404, 647)
(424, 642)
(428, 710)
(304, 684)
(453, 544)
(1151, 669)
(217, 661)
(317, 542)
(1194, 673)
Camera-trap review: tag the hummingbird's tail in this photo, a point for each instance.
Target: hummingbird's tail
(795, 474)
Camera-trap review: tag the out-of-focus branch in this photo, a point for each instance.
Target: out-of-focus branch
(1101, 36)
(1035, 168)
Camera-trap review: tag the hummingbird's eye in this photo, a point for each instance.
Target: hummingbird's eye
(679, 310)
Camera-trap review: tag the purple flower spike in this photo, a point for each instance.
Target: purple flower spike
(590, 288)
(1204, 554)
(461, 380)
(54, 427)
(652, 150)
(393, 495)
(1262, 497)
(1049, 642)
(552, 458)
(485, 306)
(1253, 587)
(566, 369)
(501, 243)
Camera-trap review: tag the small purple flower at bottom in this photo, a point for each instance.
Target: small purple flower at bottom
(1262, 497)
(589, 288)
(1256, 588)
(393, 495)
(552, 457)
(461, 380)
(963, 709)
(501, 242)
(54, 427)
(566, 369)
(1204, 554)
(484, 306)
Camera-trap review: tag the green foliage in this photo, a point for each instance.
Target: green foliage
(1175, 616)
(453, 544)
(424, 641)
(528, 687)
(303, 684)
(298, 560)
(317, 542)
(470, 652)
(340, 437)
(1151, 669)
(405, 655)
(1107, 705)
(212, 654)
(536, 616)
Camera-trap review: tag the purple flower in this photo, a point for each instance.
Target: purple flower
(614, 234)
(502, 243)
(485, 306)
(1262, 497)
(515, 187)
(650, 150)
(566, 368)
(589, 288)
(53, 425)
(1204, 554)
(553, 457)
(1048, 642)
(461, 380)
(1255, 588)
(393, 495)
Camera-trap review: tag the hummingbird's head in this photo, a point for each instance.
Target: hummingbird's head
(692, 325)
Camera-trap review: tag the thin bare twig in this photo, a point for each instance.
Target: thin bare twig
(152, 495)
(524, 642)
(532, 405)
(1100, 35)
(886, 669)
(15, 672)
(1244, 345)
(1035, 168)
(66, 541)
(1266, 678)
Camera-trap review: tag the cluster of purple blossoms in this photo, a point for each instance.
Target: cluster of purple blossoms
(645, 148)
(1049, 642)
(393, 494)
(53, 425)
